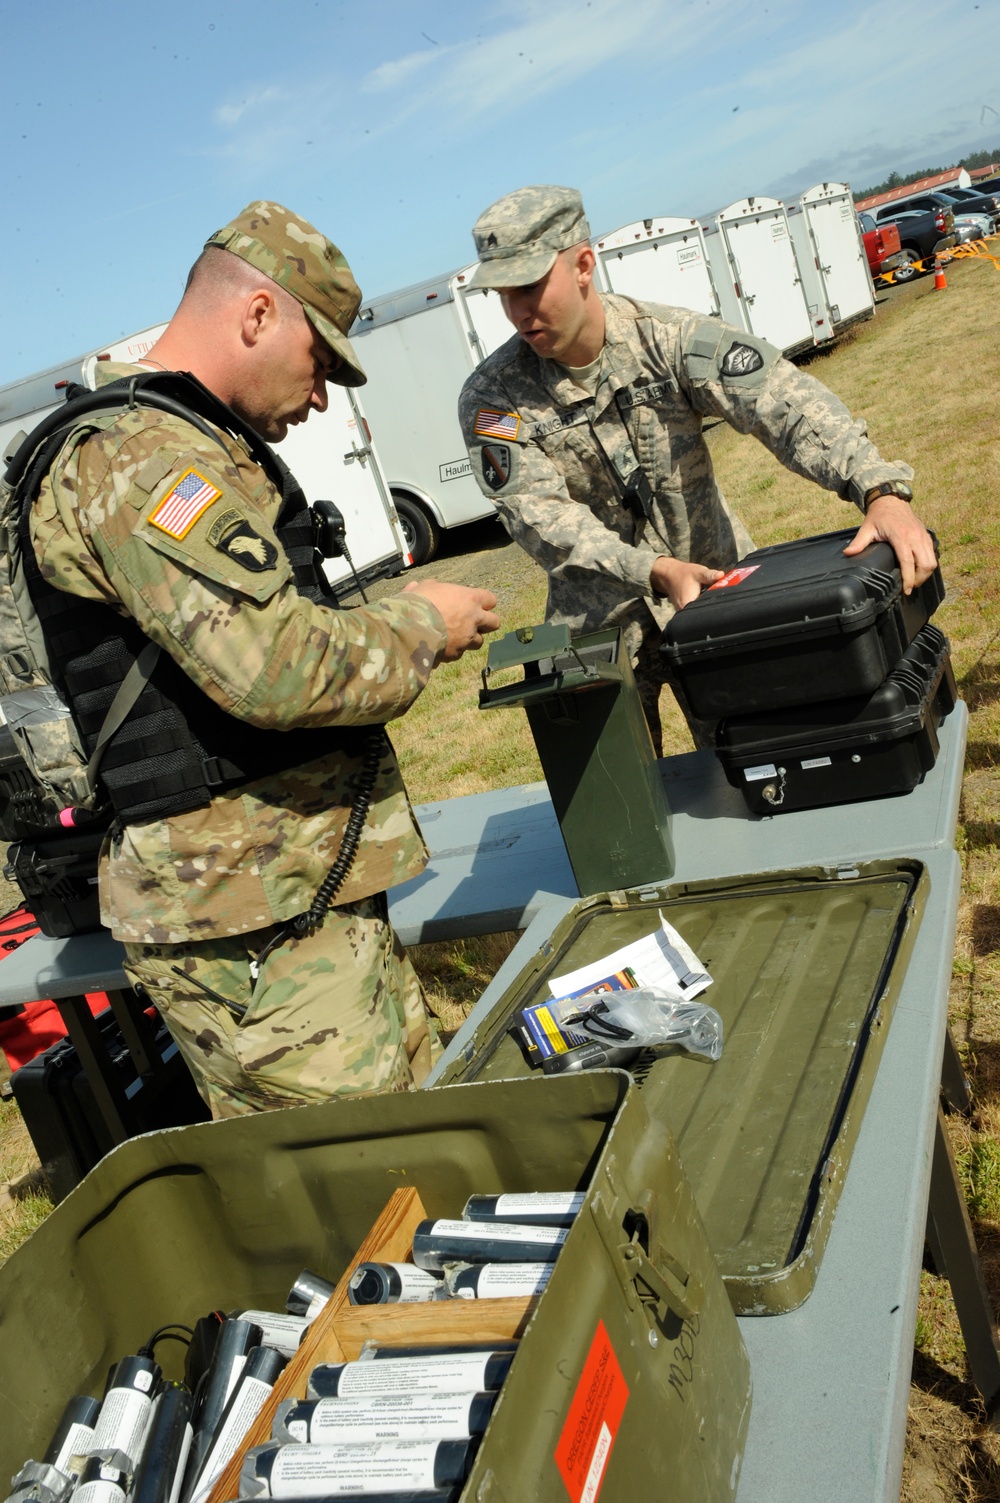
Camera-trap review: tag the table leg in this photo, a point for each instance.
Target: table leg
(953, 1247)
(953, 1082)
(89, 1043)
(137, 1030)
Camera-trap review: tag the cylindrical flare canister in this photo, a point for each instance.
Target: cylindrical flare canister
(309, 1289)
(536, 1208)
(121, 1424)
(393, 1284)
(460, 1371)
(437, 1243)
(295, 1471)
(497, 1280)
(402, 1416)
(73, 1438)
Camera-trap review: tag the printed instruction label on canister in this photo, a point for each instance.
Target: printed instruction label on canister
(567, 1202)
(593, 1420)
(283, 1332)
(404, 1416)
(122, 1423)
(315, 1471)
(78, 1441)
(458, 1372)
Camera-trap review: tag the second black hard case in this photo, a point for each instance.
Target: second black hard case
(816, 755)
(796, 624)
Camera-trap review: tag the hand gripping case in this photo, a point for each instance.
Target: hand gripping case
(796, 624)
(630, 1375)
(809, 756)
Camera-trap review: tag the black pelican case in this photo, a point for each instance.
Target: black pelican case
(814, 755)
(794, 624)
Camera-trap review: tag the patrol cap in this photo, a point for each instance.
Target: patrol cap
(293, 253)
(519, 237)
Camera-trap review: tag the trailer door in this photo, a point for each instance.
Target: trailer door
(765, 272)
(659, 261)
(481, 313)
(333, 459)
(840, 256)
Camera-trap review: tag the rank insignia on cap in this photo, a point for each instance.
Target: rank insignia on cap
(496, 465)
(493, 424)
(180, 509)
(742, 360)
(247, 547)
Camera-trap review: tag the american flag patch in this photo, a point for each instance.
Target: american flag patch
(491, 424)
(179, 511)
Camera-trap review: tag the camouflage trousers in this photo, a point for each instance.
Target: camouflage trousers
(337, 1013)
(652, 672)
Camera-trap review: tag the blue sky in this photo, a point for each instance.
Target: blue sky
(134, 128)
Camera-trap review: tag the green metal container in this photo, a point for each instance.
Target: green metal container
(807, 966)
(631, 1371)
(594, 745)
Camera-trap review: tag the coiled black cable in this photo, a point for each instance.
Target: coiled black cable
(309, 922)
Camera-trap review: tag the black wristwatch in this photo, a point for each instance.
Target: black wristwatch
(888, 488)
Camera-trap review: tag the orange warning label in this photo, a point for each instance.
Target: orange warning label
(592, 1422)
(735, 576)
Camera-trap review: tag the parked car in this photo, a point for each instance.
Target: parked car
(882, 245)
(943, 198)
(978, 203)
(923, 234)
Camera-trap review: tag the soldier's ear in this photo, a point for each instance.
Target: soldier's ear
(259, 313)
(585, 263)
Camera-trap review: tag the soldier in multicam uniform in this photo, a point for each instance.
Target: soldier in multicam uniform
(174, 527)
(585, 429)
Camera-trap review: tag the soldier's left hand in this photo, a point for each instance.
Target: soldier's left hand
(890, 519)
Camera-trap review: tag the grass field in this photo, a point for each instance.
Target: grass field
(925, 373)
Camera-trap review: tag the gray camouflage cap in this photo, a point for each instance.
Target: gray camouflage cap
(293, 253)
(519, 237)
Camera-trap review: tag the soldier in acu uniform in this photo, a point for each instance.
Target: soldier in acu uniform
(173, 534)
(585, 429)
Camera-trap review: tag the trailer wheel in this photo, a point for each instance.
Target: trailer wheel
(420, 532)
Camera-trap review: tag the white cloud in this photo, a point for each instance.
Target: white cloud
(232, 114)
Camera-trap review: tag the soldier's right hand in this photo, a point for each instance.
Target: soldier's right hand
(468, 613)
(681, 582)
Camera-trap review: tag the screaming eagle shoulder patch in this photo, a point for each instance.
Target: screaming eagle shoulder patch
(496, 465)
(741, 360)
(233, 535)
(180, 509)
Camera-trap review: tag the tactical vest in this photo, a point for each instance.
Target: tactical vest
(174, 749)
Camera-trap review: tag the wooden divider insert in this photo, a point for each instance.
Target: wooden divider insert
(341, 1329)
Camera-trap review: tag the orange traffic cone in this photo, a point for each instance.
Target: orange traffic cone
(940, 280)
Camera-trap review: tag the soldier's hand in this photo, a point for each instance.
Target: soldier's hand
(468, 613)
(890, 519)
(681, 582)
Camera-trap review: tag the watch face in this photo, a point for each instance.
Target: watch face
(904, 491)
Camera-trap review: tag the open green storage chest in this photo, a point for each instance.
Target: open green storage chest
(634, 1332)
(807, 966)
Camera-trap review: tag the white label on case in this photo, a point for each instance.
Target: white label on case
(816, 762)
(758, 774)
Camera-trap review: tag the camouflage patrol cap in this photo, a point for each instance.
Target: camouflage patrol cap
(519, 237)
(291, 252)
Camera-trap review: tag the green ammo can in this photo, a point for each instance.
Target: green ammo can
(595, 749)
(807, 967)
(630, 1379)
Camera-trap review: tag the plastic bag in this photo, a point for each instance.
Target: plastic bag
(646, 1016)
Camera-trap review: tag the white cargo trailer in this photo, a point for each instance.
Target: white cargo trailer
(658, 261)
(331, 455)
(418, 346)
(757, 275)
(831, 256)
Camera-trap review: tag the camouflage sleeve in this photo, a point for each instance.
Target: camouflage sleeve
(185, 541)
(745, 380)
(566, 536)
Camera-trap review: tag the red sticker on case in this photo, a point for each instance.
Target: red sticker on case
(592, 1422)
(735, 576)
